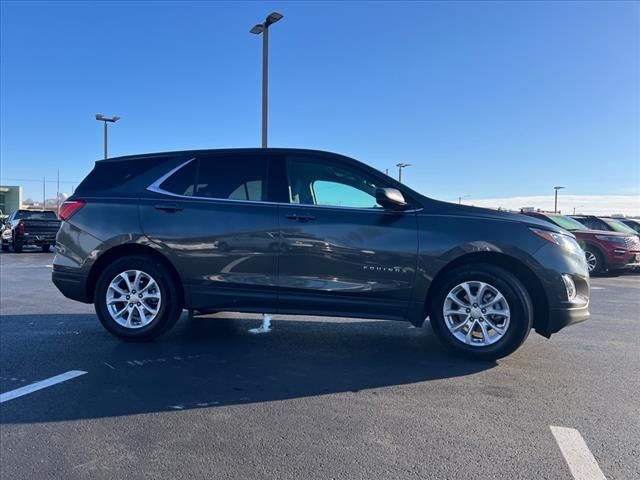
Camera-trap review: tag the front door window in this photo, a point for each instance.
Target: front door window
(323, 183)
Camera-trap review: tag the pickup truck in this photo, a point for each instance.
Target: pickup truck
(30, 227)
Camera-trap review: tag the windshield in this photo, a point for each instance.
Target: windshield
(48, 215)
(618, 226)
(566, 222)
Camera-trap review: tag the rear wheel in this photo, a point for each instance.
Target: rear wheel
(17, 247)
(481, 311)
(595, 262)
(45, 248)
(5, 247)
(137, 299)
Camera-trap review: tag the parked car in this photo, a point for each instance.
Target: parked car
(631, 223)
(141, 240)
(30, 227)
(604, 250)
(604, 223)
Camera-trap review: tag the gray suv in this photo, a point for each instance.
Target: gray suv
(310, 233)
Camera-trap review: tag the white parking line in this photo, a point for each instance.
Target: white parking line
(581, 462)
(48, 382)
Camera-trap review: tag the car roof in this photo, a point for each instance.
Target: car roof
(221, 151)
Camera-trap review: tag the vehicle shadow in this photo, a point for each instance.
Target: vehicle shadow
(211, 362)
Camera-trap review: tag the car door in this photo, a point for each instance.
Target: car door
(342, 253)
(211, 216)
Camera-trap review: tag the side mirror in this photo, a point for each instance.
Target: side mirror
(390, 198)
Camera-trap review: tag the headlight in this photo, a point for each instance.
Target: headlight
(611, 238)
(563, 241)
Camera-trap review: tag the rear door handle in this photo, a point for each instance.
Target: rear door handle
(300, 218)
(169, 207)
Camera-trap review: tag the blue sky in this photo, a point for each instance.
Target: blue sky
(484, 99)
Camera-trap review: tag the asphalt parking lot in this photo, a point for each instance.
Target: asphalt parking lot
(314, 398)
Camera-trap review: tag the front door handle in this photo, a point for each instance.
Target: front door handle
(169, 207)
(300, 218)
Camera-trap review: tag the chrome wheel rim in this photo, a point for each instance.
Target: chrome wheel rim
(476, 313)
(592, 260)
(133, 299)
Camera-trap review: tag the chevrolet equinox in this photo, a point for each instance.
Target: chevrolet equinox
(307, 232)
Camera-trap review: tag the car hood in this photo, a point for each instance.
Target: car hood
(603, 232)
(446, 208)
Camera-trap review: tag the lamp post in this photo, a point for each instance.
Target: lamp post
(263, 28)
(555, 203)
(574, 208)
(101, 118)
(461, 197)
(400, 167)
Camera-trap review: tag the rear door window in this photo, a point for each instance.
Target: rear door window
(46, 215)
(183, 181)
(233, 177)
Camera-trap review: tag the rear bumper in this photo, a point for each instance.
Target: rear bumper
(72, 285)
(36, 239)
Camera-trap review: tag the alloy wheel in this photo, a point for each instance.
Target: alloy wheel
(592, 261)
(133, 299)
(476, 313)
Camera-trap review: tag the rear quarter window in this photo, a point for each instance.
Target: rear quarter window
(107, 176)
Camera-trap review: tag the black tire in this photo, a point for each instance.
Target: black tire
(46, 248)
(600, 266)
(17, 247)
(516, 295)
(170, 306)
(5, 247)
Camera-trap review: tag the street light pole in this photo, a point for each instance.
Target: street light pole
(265, 86)
(101, 118)
(400, 167)
(263, 28)
(555, 203)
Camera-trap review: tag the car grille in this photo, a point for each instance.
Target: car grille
(632, 243)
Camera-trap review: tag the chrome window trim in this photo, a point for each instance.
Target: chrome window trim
(155, 187)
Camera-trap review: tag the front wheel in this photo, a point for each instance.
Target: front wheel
(481, 311)
(595, 263)
(136, 299)
(17, 247)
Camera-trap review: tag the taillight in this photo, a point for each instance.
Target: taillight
(69, 208)
(21, 227)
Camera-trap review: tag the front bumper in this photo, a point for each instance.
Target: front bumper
(624, 261)
(72, 285)
(561, 309)
(565, 316)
